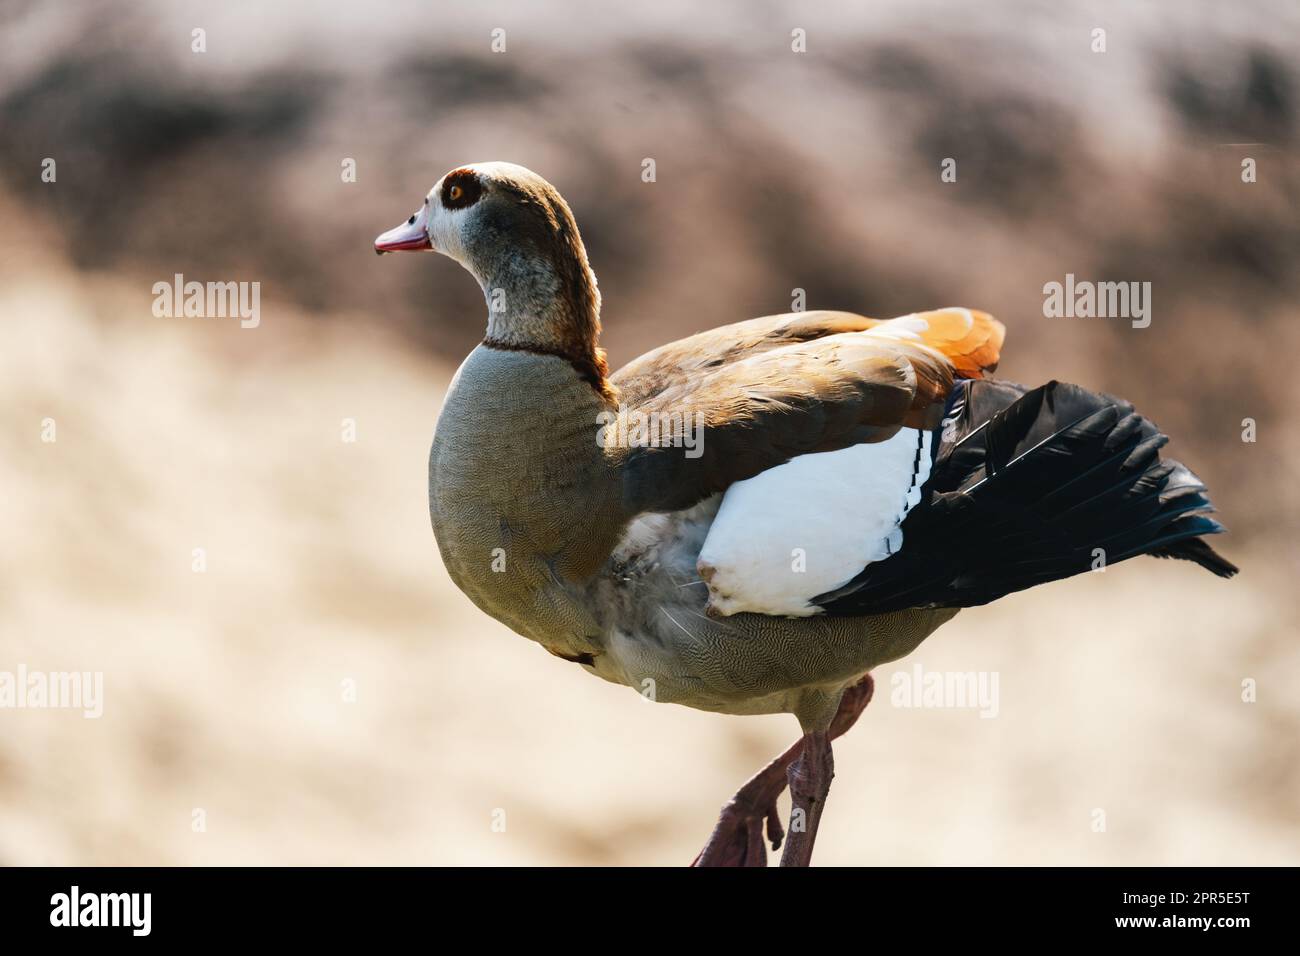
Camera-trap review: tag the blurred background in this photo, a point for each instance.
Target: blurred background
(230, 691)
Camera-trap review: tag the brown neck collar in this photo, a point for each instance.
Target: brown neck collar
(589, 363)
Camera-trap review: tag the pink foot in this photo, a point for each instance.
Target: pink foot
(737, 840)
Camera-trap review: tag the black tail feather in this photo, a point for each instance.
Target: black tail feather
(1194, 549)
(1031, 486)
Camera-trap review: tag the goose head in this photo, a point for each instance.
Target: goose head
(516, 235)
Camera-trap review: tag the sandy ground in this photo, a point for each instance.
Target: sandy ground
(226, 691)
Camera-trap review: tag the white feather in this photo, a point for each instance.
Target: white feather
(811, 525)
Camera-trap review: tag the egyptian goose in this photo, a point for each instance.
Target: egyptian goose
(785, 503)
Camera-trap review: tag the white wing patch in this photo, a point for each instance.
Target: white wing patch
(811, 525)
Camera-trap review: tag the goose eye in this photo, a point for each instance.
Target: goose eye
(460, 188)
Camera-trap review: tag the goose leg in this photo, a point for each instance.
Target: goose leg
(810, 782)
(737, 840)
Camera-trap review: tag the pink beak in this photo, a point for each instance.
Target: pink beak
(410, 236)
